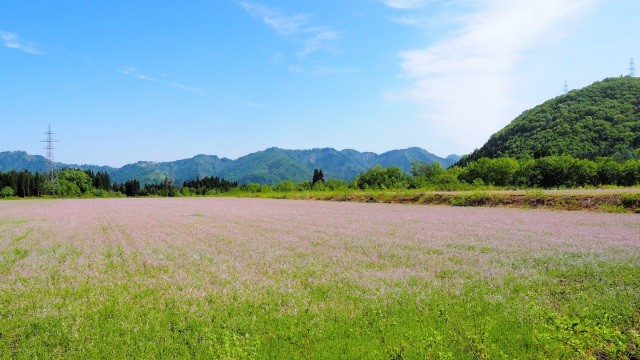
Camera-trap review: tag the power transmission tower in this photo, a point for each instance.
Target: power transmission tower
(52, 173)
(565, 89)
(632, 69)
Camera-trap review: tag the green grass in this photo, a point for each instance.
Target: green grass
(576, 306)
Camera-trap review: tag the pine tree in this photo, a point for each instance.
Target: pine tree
(317, 176)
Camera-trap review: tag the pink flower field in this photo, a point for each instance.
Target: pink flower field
(310, 257)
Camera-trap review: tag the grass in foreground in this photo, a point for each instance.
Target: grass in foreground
(250, 278)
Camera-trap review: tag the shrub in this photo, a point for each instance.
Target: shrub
(473, 199)
(335, 184)
(630, 200)
(257, 188)
(6, 192)
(285, 186)
(383, 178)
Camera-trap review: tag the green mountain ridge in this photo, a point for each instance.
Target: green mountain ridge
(269, 166)
(599, 120)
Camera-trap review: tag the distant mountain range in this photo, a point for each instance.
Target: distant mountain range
(269, 166)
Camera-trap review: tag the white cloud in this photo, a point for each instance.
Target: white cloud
(282, 24)
(297, 26)
(465, 81)
(131, 71)
(323, 70)
(187, 88)
(404, 4)
(12, 41)
(319, 40)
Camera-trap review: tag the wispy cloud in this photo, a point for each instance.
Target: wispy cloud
(404, 4)
(134, 72)
(255, 105)
(281, 23)
(131, 71)
(187, 88)
(465, 82)
(12, 41)
(247, 103)
(324, 70)
(320, 39)
(296, 26)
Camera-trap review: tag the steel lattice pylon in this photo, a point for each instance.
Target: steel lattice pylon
(52, 173)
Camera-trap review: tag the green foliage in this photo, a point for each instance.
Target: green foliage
(630, 173)
(600, 120)
(318, 176)
(319, 186)
(74, 183)
(257, 188)
(132, 188)
(207, 184)
(484, 174)
(335, 184)
(550, 172)
(304, 186)
(285, 186)
(421, 169)
(583, 337)
(609, 171)
(446, 181)
(6, 192)
(23, 183)
(383, 178)
(471, 199)
(498, 172)
(100, 180)
(631, 200)
(186, 191)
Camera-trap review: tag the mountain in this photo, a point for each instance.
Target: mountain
(20, 160)
(180, 170)
(602, 119)
(269, 166)
(273, 165)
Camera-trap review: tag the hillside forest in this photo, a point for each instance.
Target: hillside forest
(600, 120)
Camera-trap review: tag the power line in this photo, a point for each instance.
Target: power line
(52, 174)
(632, 68)
(565, 89)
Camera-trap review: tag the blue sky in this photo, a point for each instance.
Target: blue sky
(122, 81)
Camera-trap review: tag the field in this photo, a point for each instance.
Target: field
(236, 278)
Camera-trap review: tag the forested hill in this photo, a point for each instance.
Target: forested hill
(269, 166)
(602, 119)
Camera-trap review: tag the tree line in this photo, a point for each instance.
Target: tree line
(87, 183)
(70, 183)
(545, 172)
